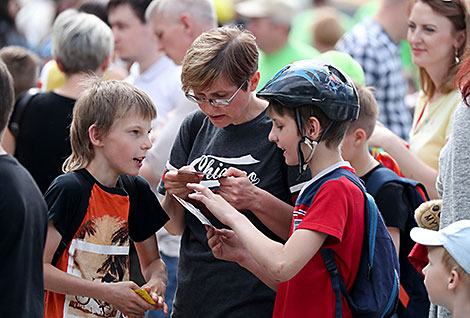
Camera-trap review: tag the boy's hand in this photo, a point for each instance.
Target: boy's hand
(238, 190)
(175, 182)
(220, 208)
(225, 245)
(156, 290)
(125, 299)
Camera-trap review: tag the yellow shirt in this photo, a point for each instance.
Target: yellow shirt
(433, 129)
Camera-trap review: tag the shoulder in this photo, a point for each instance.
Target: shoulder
(68, 186)
(14, 178)
(139, 183)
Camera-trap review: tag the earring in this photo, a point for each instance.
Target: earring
(457, 59)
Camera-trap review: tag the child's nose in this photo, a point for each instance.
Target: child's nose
(147, 143)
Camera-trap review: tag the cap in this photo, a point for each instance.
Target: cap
(455, 238)
(282, 11)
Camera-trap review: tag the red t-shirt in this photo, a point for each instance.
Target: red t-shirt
(337, 209)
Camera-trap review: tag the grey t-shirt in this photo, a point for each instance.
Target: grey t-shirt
(208, 287)
(453, 182)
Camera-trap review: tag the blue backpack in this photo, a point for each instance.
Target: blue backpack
(376, 287)
(417, 302)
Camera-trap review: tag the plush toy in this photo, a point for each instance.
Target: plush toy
(428, 214)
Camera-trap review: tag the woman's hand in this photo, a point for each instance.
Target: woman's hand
(175, 181)
(238, 190)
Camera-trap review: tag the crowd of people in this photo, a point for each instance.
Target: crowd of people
(202, 158)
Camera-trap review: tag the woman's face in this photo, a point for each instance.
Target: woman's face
(432, 37)
(235, 113)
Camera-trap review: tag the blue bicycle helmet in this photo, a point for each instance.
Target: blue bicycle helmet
(315, 83)
(310, 82)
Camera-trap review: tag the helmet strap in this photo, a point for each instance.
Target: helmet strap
(312, 144)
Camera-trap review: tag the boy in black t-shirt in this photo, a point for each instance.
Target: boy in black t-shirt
(391, 201)
(23, 226)
(109, 137)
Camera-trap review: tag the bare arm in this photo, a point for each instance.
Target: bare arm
(395, 234)
(410, 165)
(9, 142)
(282, 262)
(120, 294)
(240, 192)
(153, 269)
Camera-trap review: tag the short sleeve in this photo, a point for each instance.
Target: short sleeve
(146, 215)
(393, 205)
(63, 200)
(329, 210)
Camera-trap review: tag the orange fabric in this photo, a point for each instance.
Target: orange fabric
(103, 231)
(383, 157)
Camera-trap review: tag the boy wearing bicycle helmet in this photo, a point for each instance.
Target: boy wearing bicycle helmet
(311, 105)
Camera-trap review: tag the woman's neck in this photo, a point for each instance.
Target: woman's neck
(73, 86)
(255, 107)
(437, 75)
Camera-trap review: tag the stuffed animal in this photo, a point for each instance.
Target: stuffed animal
(428, 214)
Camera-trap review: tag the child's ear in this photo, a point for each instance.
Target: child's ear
(95, 136)
(454, 279)
(360, 137)
(313, 128)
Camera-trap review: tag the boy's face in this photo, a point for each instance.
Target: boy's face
(125, 145)
(436, 276)
(285, 134)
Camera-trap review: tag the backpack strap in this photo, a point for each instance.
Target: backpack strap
(378, 178)
(336, 280)
(76, 221)
(20, 105)
(383, 175)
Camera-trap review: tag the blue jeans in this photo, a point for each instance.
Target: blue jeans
(171, 268)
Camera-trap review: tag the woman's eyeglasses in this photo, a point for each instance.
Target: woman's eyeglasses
(219, 103)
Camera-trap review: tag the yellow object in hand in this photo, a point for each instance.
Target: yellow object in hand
(145, 295)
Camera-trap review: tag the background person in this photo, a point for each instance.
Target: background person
(23, 224)
(438, 36)
(374, 44)
(81, 44)
(447, 275)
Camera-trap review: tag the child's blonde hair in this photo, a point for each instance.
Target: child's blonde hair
(102, 104)
(450, 264)
(368, 113)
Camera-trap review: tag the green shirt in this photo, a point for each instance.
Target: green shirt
(270, 64)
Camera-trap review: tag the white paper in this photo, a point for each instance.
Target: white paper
(195, 211)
